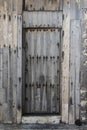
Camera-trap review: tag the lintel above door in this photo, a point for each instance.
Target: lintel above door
(40, 19)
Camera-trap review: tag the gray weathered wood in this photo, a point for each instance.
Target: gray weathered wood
(83, 4)
(75, 9)
(19, 70)
(42, 19)
(42, 70)
(75, 46)
(43, 5)
(83, 79)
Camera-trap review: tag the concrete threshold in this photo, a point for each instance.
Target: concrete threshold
(41, 127)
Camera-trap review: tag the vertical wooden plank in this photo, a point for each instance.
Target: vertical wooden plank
(83, 79)
(19, 70)
(57, 68)
(38, 61)
(78, 52)
(52, 70)
(1, 5)
(41, 68)
(1, 51)
(1, 45)
(75, 9)
(32, 73)
(65, 61)
(23, 71)
(48, 73)
(74, 71)
(14, 6)
(60, 4)
(29, 70)
(74, 57)
(9, 89)
(10, 2)
(5, 63)
(26, 71)
(14, 67)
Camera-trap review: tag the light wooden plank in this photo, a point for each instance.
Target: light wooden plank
(19, 7)
(65, 61)
(5, 64)
(19, 70)
(78, 50)
(1, 5)
(14, 6)
(14, 67)
(9, 88)
(10, 2)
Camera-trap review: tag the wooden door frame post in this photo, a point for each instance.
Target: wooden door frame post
(65, 61)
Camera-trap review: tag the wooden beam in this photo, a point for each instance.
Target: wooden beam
(19, 70)
(65, 61)
(83, 81)
(74, 71)
(75, 40)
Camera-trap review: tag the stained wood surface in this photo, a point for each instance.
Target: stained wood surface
(65, 61)
(42, 70)
(9, 52)
(42, 19)
(75, 46)
(43, 5)
(84, 66)
(11, 56)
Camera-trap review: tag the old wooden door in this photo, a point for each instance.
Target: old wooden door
(42, 24)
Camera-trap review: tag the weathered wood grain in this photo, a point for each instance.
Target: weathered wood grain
(19, 69)
(43, 5)
(8, 62)
(83, 79)
(65, 61)
(11, 59)
(42, 70)
(83, 4)
(75, 46)
(75, 9)
(9, 89)
(42, 19)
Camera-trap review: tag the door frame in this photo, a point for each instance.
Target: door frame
(65, 62)
(45, 118)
